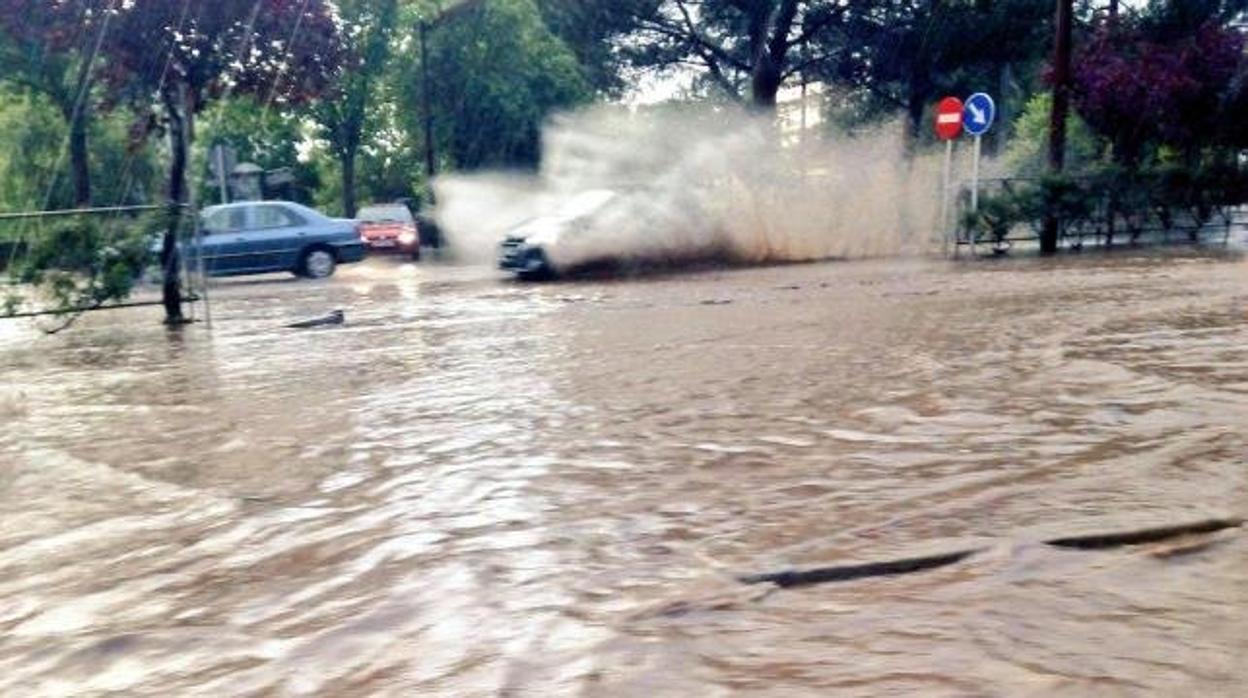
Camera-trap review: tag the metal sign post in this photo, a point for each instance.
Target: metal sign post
(948, 128)
(944, 198)
(981, 111)
(225, 190)
(221, 161)
(975, 173)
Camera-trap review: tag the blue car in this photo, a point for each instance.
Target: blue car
(259, 237)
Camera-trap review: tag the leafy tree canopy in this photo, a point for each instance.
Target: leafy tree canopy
(497, 71)
(1139, 82)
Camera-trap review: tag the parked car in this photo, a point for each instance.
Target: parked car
(258, 237)
(390, 228)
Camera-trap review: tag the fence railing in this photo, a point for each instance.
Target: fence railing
(23, 233)
(1105, 222)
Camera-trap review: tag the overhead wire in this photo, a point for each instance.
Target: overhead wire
(246, 42)
(79, 100)
(127, 172)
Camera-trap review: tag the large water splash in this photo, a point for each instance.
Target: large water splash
(705, 181)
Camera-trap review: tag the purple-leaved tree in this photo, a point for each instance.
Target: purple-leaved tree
(1136, 90)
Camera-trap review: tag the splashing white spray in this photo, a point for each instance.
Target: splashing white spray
(704, 182)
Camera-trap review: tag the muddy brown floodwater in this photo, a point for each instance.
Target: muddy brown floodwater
(481, 488)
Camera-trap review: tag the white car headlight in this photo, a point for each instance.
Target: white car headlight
(407, 237)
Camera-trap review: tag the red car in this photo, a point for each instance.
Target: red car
(389, 228)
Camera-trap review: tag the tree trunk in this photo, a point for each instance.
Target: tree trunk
(76, 109)
(1057, 118)
(920, 86)
(1005, 115)
(915, 104)
(170, 259)
(765, 83)
(769, 34)
(79, 160)
(348, 182)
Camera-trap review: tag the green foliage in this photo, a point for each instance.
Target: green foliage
(592, 29)
(85, 263)
(37, 56)
(269, 137)
(34, 168)
(497, 73)
(346, 114)
(32, 137)
(1162, 195)
(996, 217)
(1028, 151)
(1073, 201)
(905, 55)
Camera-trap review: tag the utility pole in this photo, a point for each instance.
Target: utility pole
(1057, 119)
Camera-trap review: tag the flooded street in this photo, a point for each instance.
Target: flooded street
(483, 488)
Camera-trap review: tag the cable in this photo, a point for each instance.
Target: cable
(79, 100)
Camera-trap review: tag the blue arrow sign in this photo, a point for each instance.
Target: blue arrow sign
(978, 114)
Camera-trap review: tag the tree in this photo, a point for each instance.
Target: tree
(49, 51)
(497, 72)
(1137, 86)
(883, 57)
(33, 135)
(370, 29)
(265, 134)
(1027, 155)
(170, 59)
(905, 55)
(744, 48)
(278, 50)
(591, 30)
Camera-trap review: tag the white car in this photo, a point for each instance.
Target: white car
(541, 247)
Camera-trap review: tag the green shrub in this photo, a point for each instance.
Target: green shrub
(996, 216)
(1162, 195)
(85, 263)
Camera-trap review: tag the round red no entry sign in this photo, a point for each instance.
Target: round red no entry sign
(949, 118)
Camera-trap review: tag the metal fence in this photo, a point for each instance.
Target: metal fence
(1105, 226)
(21, 233)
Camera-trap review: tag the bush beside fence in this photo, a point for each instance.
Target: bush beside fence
(1110, 205)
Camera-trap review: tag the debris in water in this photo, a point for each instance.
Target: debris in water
(1189, 545)
(335, 318)
(845, 573)
(1101, 541)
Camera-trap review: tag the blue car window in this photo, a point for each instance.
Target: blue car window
(272, 217)
(224, 220)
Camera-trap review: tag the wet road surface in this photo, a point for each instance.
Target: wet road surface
(477, 487)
